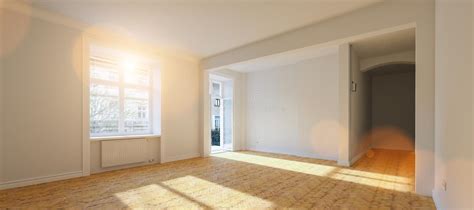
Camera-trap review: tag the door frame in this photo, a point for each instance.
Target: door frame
(221, 112)
(236, 79)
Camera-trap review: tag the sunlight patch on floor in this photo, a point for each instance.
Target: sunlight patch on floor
(385, 181)
(397, 183)
(192, 192)
(290, 165)
(136, 196)
(212, 194)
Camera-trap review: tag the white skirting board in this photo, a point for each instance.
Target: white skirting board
(39, 180)
(353, 160)
(359, 156)
(343, 163)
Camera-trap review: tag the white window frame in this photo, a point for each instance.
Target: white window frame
(122, 85)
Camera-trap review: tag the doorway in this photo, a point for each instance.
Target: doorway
(393, 107)
(382, 99)
(221, 109)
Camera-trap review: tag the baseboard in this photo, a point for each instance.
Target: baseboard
(344, 163)
(39, 180)
(357, 157)
(180, 157)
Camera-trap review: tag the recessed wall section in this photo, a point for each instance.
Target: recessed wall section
(294, 109)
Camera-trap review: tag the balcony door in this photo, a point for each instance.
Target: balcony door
(221, 104)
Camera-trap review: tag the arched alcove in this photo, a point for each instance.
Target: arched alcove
(368, 64)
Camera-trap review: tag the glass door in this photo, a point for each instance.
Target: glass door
(216, 117)
(221, 91)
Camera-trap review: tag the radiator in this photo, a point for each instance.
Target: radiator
(121, 152)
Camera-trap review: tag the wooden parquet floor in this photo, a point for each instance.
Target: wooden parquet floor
(237, 180)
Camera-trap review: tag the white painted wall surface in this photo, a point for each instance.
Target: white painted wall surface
(454, 103)
(294, 109)
(386, 16)
(344, 54)
(42, 91)
(42, 102)
(360, 113)
(1, 105)
(180, 109)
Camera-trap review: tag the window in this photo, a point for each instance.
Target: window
(216, 89)
(217, 122)
(121, 95)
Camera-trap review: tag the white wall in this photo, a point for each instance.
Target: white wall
(42, 95)
(1, 108)
(360, 113)
(42, 106)
(386, 16)
(294, 109)
(180, 109)
(344, 53)
(454, 105)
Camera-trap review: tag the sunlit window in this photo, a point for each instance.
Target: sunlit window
(121, 94)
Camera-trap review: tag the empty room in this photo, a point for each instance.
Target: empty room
(237, 104)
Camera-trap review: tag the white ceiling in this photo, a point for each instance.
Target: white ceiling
(201, 27)
(385, 44)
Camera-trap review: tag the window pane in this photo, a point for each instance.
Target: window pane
(104, 110)
(216, 89)
(119, 94)
(104, 72)
(137, 116)
(136, 93)
(104, 90)
(137, 77)
(104, 116)
(137, 113)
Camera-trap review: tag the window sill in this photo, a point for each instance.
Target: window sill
(107, 138)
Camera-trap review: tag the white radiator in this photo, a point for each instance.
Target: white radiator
(121, 152)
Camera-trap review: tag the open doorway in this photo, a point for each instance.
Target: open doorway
(383, 101)
(221, 105)
(393, 107)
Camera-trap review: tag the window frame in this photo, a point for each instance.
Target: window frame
(122, 86)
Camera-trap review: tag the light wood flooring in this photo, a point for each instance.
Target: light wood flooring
(242, 180)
